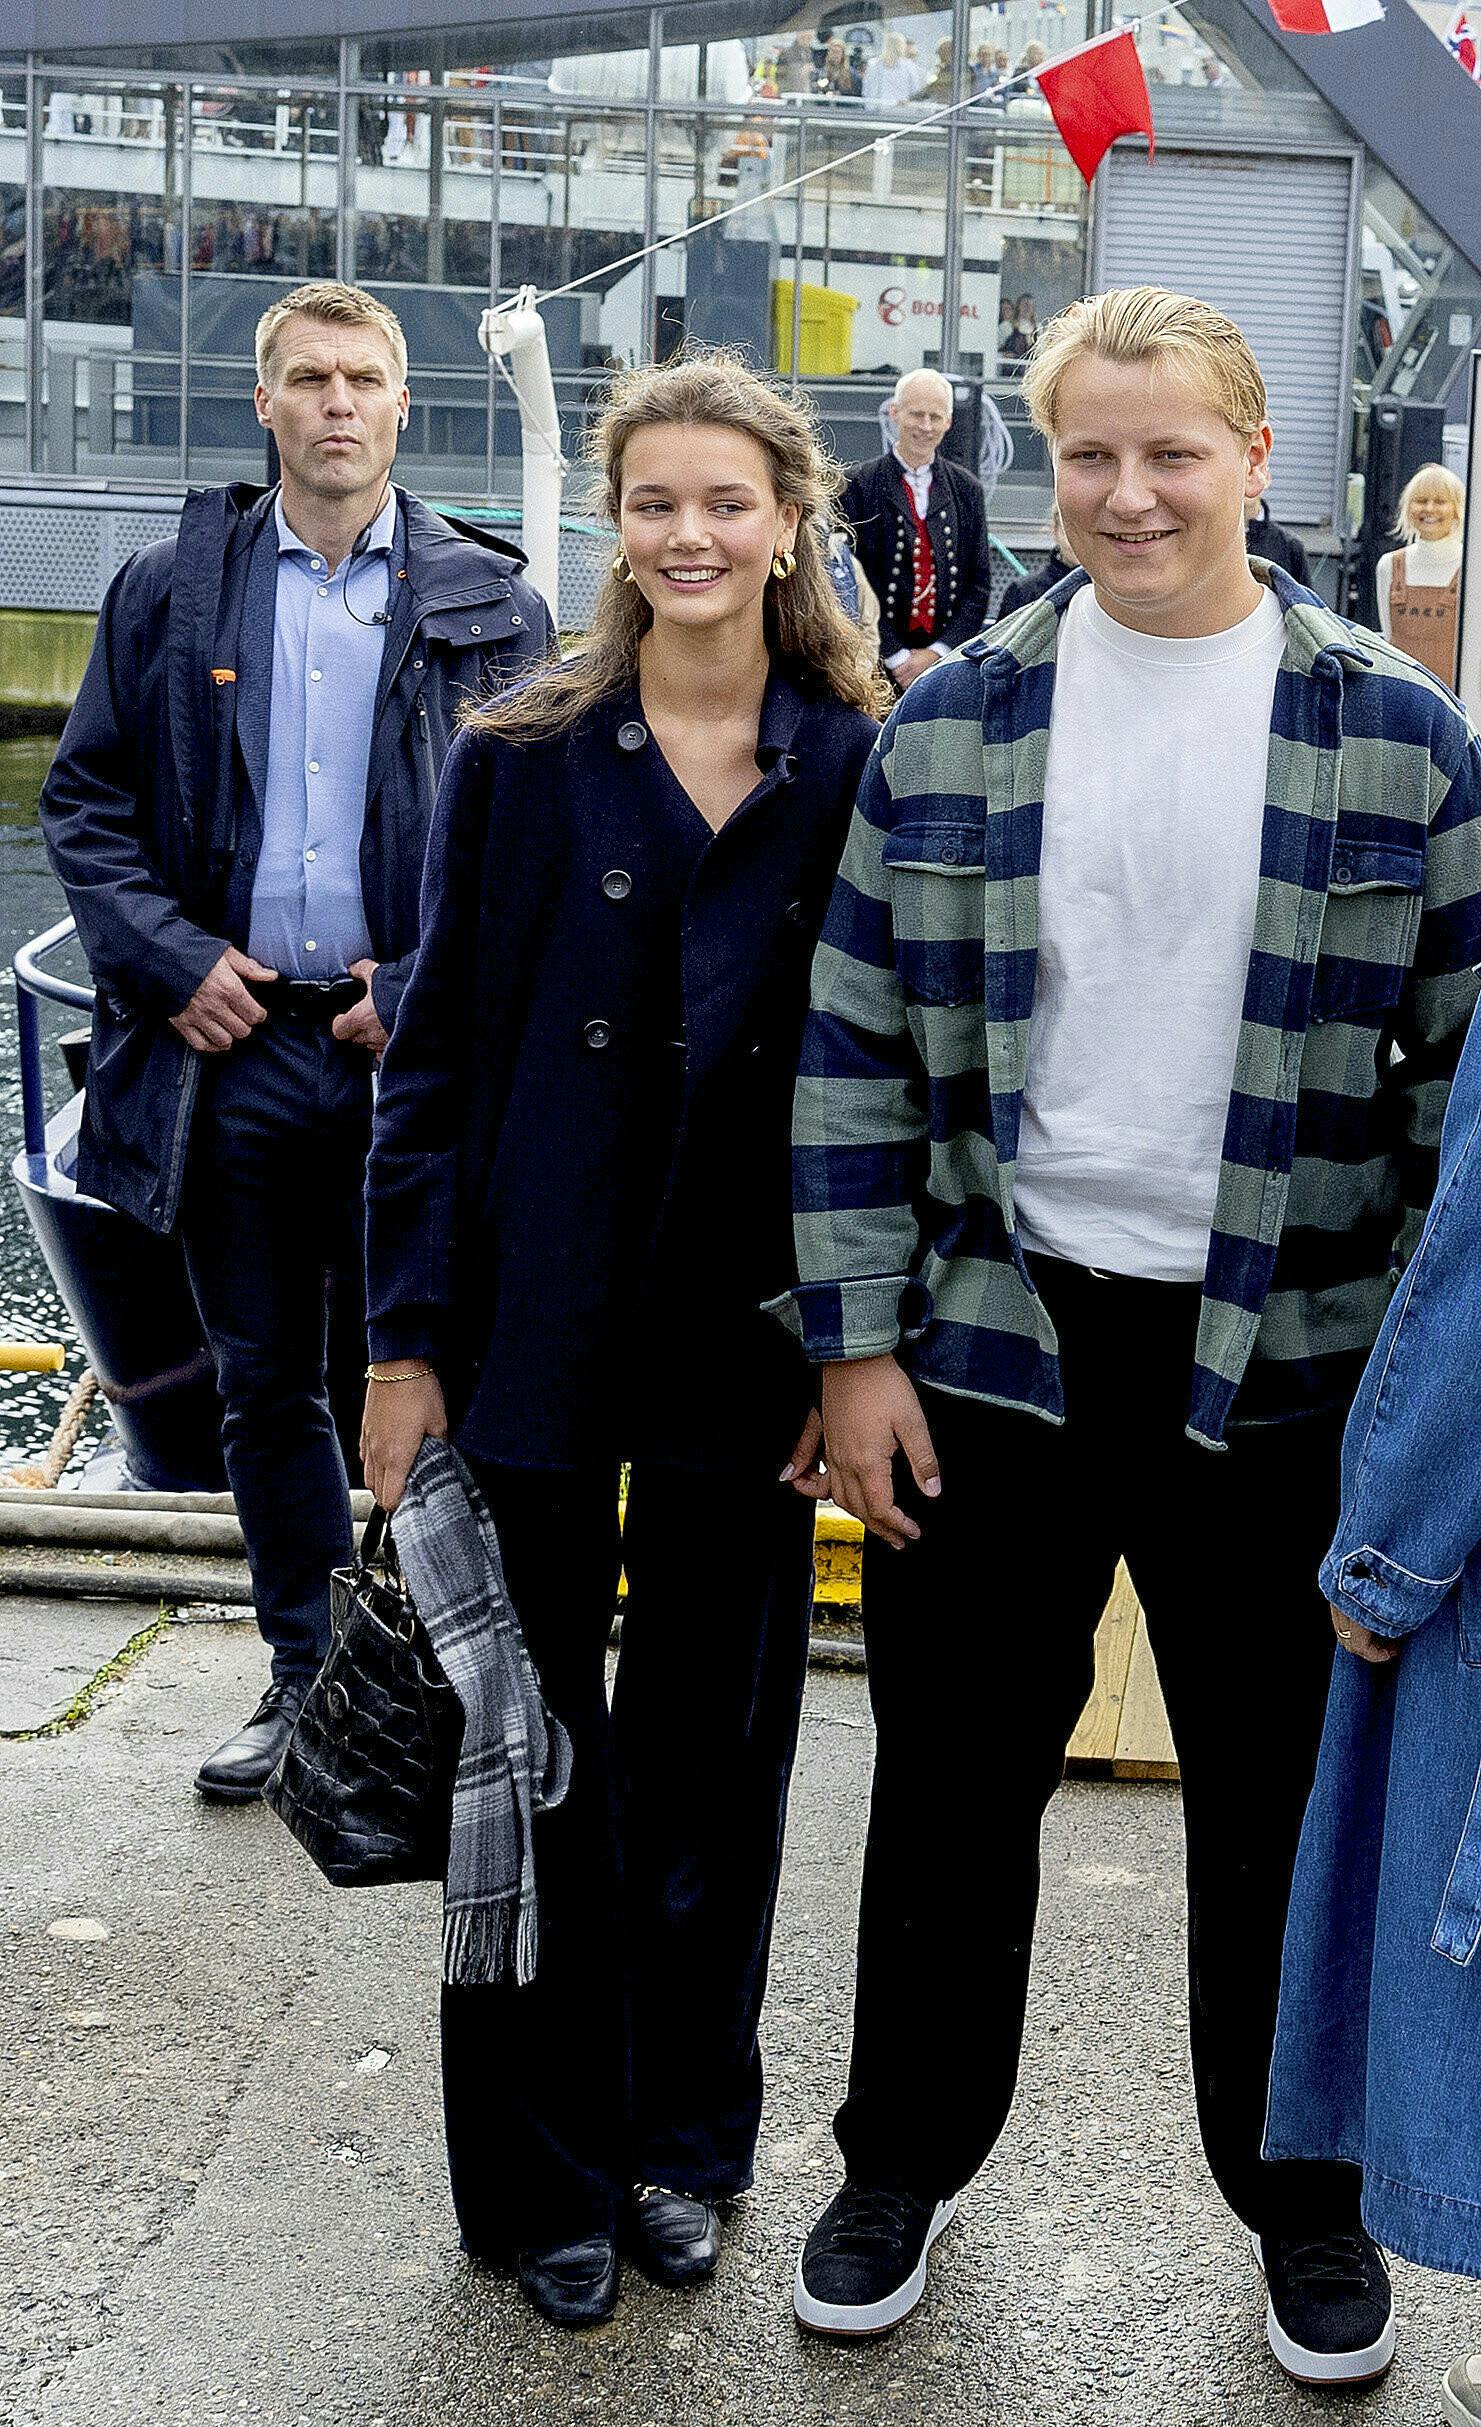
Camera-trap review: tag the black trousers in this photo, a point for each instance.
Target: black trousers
(272, 1222)
(980, 1647)
(632, 2055)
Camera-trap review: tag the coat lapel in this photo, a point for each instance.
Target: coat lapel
(254, 686)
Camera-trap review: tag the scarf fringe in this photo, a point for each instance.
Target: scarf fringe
(489, 1941)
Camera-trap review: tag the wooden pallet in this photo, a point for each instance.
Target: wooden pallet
(1123, 1728)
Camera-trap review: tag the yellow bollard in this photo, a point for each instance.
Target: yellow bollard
(31, 1357)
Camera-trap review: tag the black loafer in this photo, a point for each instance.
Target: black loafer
(574, 2284)
(675, 2238)
(239, 1769)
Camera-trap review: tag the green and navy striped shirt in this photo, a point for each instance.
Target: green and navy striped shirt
(1360, 988)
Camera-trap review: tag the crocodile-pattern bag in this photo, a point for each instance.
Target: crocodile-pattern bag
(366, 1778)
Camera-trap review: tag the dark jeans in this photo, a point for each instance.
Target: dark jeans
(980, 1646)
(272, 1224)
(632, 2055)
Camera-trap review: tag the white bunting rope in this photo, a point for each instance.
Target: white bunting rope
(861, 151)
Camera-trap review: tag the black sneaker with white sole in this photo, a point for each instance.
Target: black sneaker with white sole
(1330, 2315)
(863, 2266)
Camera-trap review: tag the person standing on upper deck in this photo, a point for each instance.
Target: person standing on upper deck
(1133, 1020)
(238, 810)
(920, 528)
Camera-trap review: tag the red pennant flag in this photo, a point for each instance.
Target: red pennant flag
(1324, 16)
(1097, 94)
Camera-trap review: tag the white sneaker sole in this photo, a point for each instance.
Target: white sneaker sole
(1324, 2367)
(872, 2317)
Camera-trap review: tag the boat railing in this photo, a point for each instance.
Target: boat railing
(34, 985)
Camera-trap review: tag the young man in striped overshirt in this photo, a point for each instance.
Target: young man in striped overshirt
(1133, 1022)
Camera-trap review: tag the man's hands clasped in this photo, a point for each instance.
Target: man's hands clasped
(223, 1009)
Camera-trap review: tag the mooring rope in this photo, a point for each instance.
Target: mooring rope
(45, 1473)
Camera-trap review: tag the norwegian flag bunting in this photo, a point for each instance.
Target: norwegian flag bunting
(1463, 41)
(1096, 94)
(1324, 16)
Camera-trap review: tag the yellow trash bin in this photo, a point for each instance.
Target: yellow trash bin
(827, 347)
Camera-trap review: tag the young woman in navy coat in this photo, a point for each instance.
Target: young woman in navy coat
(579, 1197)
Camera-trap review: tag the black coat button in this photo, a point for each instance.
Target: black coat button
(796, 913)
(597, 1034)
(631, 737)
(1342, 875)
(246, 857)
(617, 884)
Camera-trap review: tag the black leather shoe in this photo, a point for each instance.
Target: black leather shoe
(239, 1769)
(675, 2238)
(575, 2284)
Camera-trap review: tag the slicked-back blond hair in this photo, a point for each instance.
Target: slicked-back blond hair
(338, 306)
(1431, 480)
(1152, 325)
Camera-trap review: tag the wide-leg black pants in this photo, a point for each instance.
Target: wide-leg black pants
(980, 1647)
(633, 2055)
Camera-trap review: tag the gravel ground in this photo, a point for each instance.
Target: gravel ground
(219, 2138)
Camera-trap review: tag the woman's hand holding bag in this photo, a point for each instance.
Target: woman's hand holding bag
(403, 1406)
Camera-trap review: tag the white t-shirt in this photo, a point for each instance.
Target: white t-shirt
(1154, 798)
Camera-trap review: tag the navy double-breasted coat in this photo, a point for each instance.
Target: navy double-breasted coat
(531, 1061)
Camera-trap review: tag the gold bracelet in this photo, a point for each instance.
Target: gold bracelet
(419, 1373)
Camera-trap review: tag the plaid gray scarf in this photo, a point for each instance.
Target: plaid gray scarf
(516, 1759)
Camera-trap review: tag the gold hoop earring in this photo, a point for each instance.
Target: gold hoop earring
(621, 569)
(784, 565)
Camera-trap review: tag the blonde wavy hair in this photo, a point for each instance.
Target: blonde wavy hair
(1431, 480)
(1149, 324)
(807, 629)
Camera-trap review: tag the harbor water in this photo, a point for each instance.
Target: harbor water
(30, 900)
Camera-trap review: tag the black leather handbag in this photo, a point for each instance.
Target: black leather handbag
(366, 1778)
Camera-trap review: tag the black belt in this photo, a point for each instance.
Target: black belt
(313, 1001)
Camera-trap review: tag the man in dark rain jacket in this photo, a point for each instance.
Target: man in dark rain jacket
(238, 811)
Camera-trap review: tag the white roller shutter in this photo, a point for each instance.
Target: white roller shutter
(1267, 240)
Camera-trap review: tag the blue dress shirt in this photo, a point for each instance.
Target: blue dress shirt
(308, 917)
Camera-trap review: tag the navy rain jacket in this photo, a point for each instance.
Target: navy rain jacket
(152, 811)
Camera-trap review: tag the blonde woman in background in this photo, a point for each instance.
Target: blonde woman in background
(1419, 584)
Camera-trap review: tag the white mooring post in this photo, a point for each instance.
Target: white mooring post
(515, 334)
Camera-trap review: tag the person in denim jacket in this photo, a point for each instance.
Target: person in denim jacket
(1378, 2044)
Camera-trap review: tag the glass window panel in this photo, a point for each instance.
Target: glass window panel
(264, 180)
(424, 191)
(110, 348)
(424, 213)
(593, 56)
(1419, 314)
(722, 286)
(308, 55)
(12, 269)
